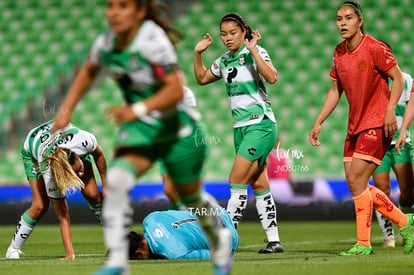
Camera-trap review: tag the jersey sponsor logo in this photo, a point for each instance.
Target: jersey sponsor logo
(42, 128)
(371, 135)
(369, 217)
(251, 151)
(158, 233)
(388, 205)
(234, 94)
(333, 65)
(64, 139)
(177, 224)
(231, 74)
(36, 169)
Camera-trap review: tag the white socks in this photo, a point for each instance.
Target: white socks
(23, 230)
(266, 208)
(117, 214)
(237, 202)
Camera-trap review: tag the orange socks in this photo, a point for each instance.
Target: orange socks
(373, 197)
(385, 206)
(363, 210)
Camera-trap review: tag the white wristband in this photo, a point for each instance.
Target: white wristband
(139, 109)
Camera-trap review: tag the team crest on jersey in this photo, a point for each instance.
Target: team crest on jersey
(242, 59)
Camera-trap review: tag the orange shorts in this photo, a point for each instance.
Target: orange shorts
(370, 145)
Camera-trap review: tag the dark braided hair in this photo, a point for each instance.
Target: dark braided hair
(159, 12)
(235, 17)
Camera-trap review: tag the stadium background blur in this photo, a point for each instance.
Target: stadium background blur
(44, 41)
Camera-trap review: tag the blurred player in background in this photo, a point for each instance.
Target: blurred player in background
(138, 53)
(56, 164)
(244, 68)
(402, 165)
(174, 200)
(361, 68)
(183, 238)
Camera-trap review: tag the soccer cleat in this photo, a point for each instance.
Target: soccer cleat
(111, 270)
(406, 233)
(13, 253)
(272, 247)
(389, 242)
(222, 255)
(356, 250)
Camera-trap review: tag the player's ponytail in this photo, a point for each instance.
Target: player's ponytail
(235, 17)
(159, 13)
(65, 178)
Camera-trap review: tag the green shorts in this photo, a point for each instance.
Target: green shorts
(163, 169)
(31, 166)
(255, 142)
(182, 155)
(391, 157)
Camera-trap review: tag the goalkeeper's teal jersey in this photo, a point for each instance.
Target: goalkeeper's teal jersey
(176, 234)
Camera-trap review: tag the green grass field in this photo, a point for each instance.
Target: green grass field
(310, 248)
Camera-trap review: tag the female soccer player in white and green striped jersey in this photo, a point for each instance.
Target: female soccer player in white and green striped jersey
(244, 68)
(138, 52)
(55, 164)
(402, 165)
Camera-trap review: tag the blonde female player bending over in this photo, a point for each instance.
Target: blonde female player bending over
(57, 164)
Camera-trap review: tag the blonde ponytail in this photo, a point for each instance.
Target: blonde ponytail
(65, 178)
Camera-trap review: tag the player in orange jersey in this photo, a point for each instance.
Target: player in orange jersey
(361, 68)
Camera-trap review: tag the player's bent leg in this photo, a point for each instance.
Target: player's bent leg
(91, 191)
(117, 215)
(237, 203)
(205, 207)
(29, 219)
(405, 221)
(386, 230)
(23, 230)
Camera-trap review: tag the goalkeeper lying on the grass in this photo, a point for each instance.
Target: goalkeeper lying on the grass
(175, 234)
